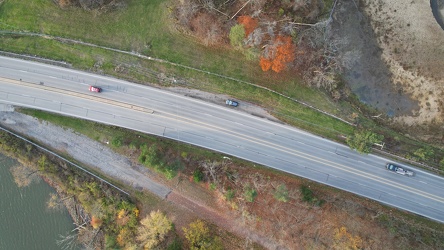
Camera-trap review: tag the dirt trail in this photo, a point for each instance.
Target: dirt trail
(222, 221)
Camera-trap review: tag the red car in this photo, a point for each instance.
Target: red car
(95, 89)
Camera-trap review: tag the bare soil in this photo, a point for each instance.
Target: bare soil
(364, 70)
(411, 46)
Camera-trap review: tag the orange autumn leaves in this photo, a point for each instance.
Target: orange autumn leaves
(249, 24)
(279, 54)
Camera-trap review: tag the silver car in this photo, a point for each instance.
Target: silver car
(399, 170)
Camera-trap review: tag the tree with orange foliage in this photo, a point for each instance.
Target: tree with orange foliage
(279, 54)
(96, 222)
(265, 64)
(248, 22)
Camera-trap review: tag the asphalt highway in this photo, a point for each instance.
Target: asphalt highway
(220, 128)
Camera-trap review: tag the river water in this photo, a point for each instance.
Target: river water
(25, 220)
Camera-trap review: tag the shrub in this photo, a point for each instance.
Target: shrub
(198, 175)
(281, 193)
(363, 140)
(237, 35)
(133, 145)
(308, 196)
(250, 194)
(116, 142)
(229, 195)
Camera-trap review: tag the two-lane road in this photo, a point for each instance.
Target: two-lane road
(220, 128)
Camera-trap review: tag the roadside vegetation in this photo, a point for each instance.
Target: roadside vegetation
(268, 201)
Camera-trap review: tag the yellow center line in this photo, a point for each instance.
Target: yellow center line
(310, 157)
(239, 135)
(80, 95)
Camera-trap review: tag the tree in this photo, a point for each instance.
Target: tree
(248, 22)
(96, 222)
(153, 229)
(237, 35)
(363, 141)
(198, 237)
(23, 176)
(424, 154)
(278, 54)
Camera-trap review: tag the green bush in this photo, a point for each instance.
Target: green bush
(424, 154)
(133, 145)
(116, 142)
(237, 35)
(363, 140)
(308, 196)
(250, 194)
(229, 195)
(142, 158)
(198, 175)
(281, 193)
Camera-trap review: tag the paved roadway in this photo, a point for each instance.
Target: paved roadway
(219, 128)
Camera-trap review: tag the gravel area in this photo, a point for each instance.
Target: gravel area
(89, 152)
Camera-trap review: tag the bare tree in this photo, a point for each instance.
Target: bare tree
(185, 11)
(68, 241)
(23, 176)
(259, 181)
(211, 169)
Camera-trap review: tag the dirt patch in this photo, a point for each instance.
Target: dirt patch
(364, 69)
(411, 43)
